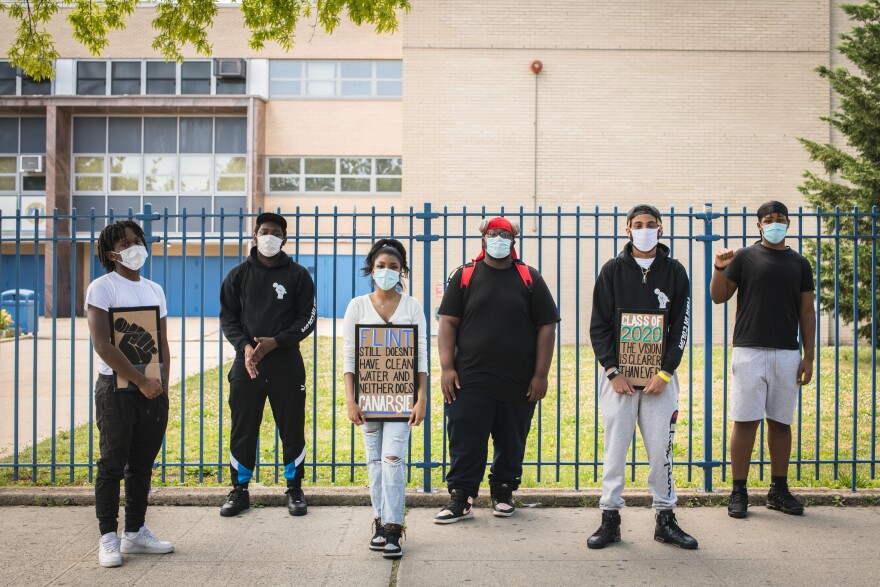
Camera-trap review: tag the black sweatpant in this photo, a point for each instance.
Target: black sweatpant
(131, 430)
(471, 419)
(286, 391)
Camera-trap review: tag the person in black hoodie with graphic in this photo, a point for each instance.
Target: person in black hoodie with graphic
(267, 306)
(642, 277)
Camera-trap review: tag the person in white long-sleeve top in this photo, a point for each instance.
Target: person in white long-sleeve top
(386, 442)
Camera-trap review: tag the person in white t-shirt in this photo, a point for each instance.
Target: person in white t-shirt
(386, 442)
(131, 422)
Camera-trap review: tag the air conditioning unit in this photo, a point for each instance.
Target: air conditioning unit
(230, 68)
(32, 164)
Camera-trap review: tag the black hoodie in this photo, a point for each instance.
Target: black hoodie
(268, 301)
(620, 285)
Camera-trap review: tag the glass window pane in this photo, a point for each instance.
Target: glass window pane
(8, 135)
(195, 77)
(285, 69)
(33, 183)
(91, 70)
(231, 87)
(389, 166)
(89, 183)
(282, 88)
(320, 184)
(89, 135)
(157, 86)
(195, 165)
(201, 87)
(33, 135)
(389, 88)
(126, 87)
(160, 135)
(389, 185)
(7, 72)
(91, 88)
(231, 135)
(31, 87)
(231, 165)
(194, 205)
(357, 88)
(350, 184)
(283, 184)
(283, 165)
(362, 166)
(88, 165)
(124, 135)
(159, 183)
(321, 88)
(7, 87)
(7, 183)
(196, 135)
(161, 70)
(230, 184)
(389, 69)
(120, 205)
(160, 165)
(321, 166)
(124, 183)
(321, 70)
(362, 69)
(7, 165)
(126, 165)
(195, 183)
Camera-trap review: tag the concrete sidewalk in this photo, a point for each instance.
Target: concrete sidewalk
(538, 546)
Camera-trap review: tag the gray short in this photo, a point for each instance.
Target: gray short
(764, 384)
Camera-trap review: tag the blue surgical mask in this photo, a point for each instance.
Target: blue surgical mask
(386, 278)
(498, 247)
(774, 233)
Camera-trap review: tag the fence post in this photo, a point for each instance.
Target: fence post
(146, 219)
(708, 267)
(426, 238)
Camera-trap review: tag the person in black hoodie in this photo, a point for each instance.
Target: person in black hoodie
(267, 306)
(642, 277)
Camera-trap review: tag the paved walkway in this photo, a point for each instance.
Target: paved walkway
(266, 546)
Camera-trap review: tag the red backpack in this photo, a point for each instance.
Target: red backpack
(467, 273)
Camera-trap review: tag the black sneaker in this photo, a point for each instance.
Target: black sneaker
(461, 507)
(738, 505)
(296, 502)
(238, 500)
(667, 531)
(608, 532)
(377, 542)
(502, 505)
(780, 498)
(392, 541)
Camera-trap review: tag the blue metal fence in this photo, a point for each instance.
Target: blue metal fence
(836, 420)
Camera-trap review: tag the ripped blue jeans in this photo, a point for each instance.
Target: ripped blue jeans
(386, 444)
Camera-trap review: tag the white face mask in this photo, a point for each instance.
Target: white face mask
(498, 247)
(268, 245)
(645, 239)
(134, 257)
(386, 278)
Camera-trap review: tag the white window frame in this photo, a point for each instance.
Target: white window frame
(337, 95)
(338, 176)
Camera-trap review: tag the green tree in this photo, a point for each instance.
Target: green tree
(178, 23)
(853, 174)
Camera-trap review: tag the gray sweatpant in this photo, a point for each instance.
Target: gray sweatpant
(656, 416)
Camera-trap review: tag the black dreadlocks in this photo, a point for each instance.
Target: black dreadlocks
(112, 234)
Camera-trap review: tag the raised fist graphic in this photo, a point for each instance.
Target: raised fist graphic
(136, 343)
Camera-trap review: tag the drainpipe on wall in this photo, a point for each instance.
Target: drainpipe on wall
(536, 68)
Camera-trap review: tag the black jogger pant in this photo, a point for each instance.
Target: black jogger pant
(471, 419)
(131, 430)
(286, 391)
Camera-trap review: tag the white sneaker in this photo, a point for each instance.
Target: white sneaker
(143, 542)
(108, 550)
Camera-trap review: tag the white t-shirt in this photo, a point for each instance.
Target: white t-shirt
(644, 263)
(361, 311)
(115, 291)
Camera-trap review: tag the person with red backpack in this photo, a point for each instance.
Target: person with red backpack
(497, 332)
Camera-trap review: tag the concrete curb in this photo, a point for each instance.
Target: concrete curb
(359, 496)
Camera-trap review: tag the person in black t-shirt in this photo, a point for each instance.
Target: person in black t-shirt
(497, 328)
(775, 297)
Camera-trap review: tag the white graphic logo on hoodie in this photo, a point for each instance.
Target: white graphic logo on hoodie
(662, 298)
(279, 289)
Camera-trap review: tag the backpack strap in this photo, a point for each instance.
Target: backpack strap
(523, 270)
